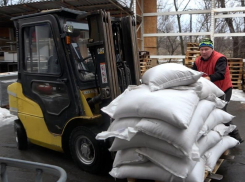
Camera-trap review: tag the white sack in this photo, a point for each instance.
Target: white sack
(172, 106)
(218, 102)
(216, 117)
(110, 109)
(143, 140)
(209, 88)
(169, 75)
(182, 139)
(128, 156)
(204, 88)
(197, 87)
(121, 128)
(224, 130)
(198, 173)
(146, 170)
(179, 167)
(207, 142)
(151, 171)
(214, 153)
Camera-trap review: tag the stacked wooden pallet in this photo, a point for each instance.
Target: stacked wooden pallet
(191, 54)
(145, 61)
(236, 71)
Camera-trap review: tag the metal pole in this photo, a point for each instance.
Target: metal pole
(142, 25)
(135, 13)
(212, 21)
(190, 27)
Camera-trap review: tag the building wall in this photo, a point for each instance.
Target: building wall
(150, 26)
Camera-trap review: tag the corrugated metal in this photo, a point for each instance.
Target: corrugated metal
(116, 8)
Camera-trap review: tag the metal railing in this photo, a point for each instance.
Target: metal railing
(39, 168)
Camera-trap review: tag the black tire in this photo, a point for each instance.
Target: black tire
(20, 136)
(88, 153)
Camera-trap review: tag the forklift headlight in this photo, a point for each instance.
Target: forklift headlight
(68, 28)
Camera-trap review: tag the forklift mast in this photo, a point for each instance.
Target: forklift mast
(113, 45)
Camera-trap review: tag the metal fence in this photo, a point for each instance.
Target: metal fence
(39, 168)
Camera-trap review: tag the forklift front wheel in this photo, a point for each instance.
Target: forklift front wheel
(86, 150)
(20, 136)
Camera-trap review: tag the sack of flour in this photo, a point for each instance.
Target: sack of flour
(217, 116)
(169, 75)
(110, 109)
(162, 104)
(147, 171)
(181, 139)
(128, 156)
(214, 153)
(121, 128)
(143, 140)
(179, 167)
(208, 141)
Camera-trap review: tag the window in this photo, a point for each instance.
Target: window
(40, 51)
(54, 96)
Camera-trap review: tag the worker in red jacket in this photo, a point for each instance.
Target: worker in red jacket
(215, 68)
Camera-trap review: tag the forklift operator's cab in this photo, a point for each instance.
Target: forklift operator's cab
(71, 64)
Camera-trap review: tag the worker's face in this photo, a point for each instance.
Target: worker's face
(206, 52)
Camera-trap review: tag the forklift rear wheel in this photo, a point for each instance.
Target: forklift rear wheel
(86, 151)
(20, 136)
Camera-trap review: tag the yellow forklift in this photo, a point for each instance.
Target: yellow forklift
(70, 65)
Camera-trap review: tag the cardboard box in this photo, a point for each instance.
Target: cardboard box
(10, 56)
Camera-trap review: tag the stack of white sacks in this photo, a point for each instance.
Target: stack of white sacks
(170, 128)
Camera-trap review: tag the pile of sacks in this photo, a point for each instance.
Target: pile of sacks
(170, 128)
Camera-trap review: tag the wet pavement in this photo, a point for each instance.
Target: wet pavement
(39, 154)
(233, 171)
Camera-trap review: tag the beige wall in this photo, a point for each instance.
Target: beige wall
(150, 26)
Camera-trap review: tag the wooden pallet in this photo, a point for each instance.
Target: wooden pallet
(237, 85)
(144, 54)
(235, 64)
(233, 76)
(243, 86)
(192, 48)
(236, 72)
(237, 60)
(192, 53)
(236, 69)
(192, 44)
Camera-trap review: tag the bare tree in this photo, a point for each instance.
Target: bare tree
(176, 6)
(166, 45)
(4, 2)
(242, 51)
(229, 22)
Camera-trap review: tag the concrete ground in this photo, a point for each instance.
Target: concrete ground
(233, 171)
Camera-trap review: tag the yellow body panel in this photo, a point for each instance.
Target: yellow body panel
(22, 103)
(37, 132)
(31, 116)
(85, 94)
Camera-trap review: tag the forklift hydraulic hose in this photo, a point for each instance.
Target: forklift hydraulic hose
(94, 100)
